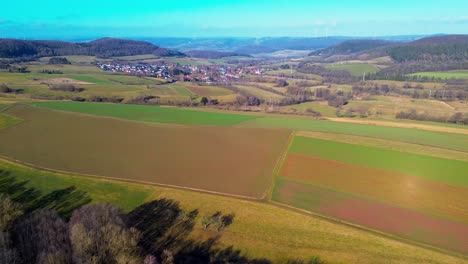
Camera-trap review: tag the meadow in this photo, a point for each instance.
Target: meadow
(150, 113)
(293, 74)
(357, 69)
(387, 144)
(236, 161)
(458, 74)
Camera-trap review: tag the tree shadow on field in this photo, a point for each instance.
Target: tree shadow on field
(64, 201)
(209, 251)
(162, 223)
(165, 227)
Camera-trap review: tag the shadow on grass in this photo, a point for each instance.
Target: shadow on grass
(64, 201)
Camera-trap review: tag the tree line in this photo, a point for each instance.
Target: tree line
(106, 47)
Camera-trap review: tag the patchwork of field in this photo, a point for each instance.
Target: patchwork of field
(294, 74)
(428, 138)
(238, 161)
(150, 113)
(387, 144)
(419, 197)
(100, 83)
(259, 230)
(389, 106)
(378, 216)
(458, 74)
(443, 170)
(323, 108)
(356, 69)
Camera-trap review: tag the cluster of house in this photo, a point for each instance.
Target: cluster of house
(171, 71)
(158, 71)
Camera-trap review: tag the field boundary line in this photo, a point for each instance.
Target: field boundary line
(26, 164)
(433, 128)
(140, 121)
(11, 106)
(279, 164)
(304, 133)
(393, 140)
(370, 230)
(270, 202)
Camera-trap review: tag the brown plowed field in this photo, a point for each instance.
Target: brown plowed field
(398, 189)
(238, 161)
(389, 219)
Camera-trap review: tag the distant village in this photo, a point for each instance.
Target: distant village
(171, 71)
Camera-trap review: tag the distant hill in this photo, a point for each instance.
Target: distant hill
(438, 48)
(261, 45)
(105, 47)
(268, 45)
(444, 48)
(211, 54)
(351, 46)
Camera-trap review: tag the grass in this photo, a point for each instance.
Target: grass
(387, 144)
(408, 135)
(357, 69)
(150, 113)
(262, 94)
(294, 74)
(323, 108)
(438, 169)
(125, 195)
(7, 120)
(389, 106)
(259, 229)
(458, 74)
(77, 59)
(137, 57)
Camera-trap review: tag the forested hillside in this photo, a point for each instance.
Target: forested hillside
(105, 47)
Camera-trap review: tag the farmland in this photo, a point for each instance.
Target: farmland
(459, 74)
(310, 160)
(437, 139)
(328, 177)
(444, 170)
(357, 69)
(259, 230)
(156, 153)
(150, 113)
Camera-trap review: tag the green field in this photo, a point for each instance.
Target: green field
(437, 139)
(150, 113)
(439, 169)
(294, 74)
(357, 69)
(459, 74)
(7, 120)
(127, 196)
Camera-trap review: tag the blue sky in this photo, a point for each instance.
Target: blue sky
(247, 18)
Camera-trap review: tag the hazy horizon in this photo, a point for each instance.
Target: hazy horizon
(52, 19)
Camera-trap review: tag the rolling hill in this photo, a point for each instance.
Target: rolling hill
(350, 47)
(104, 47)
(212, 54)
